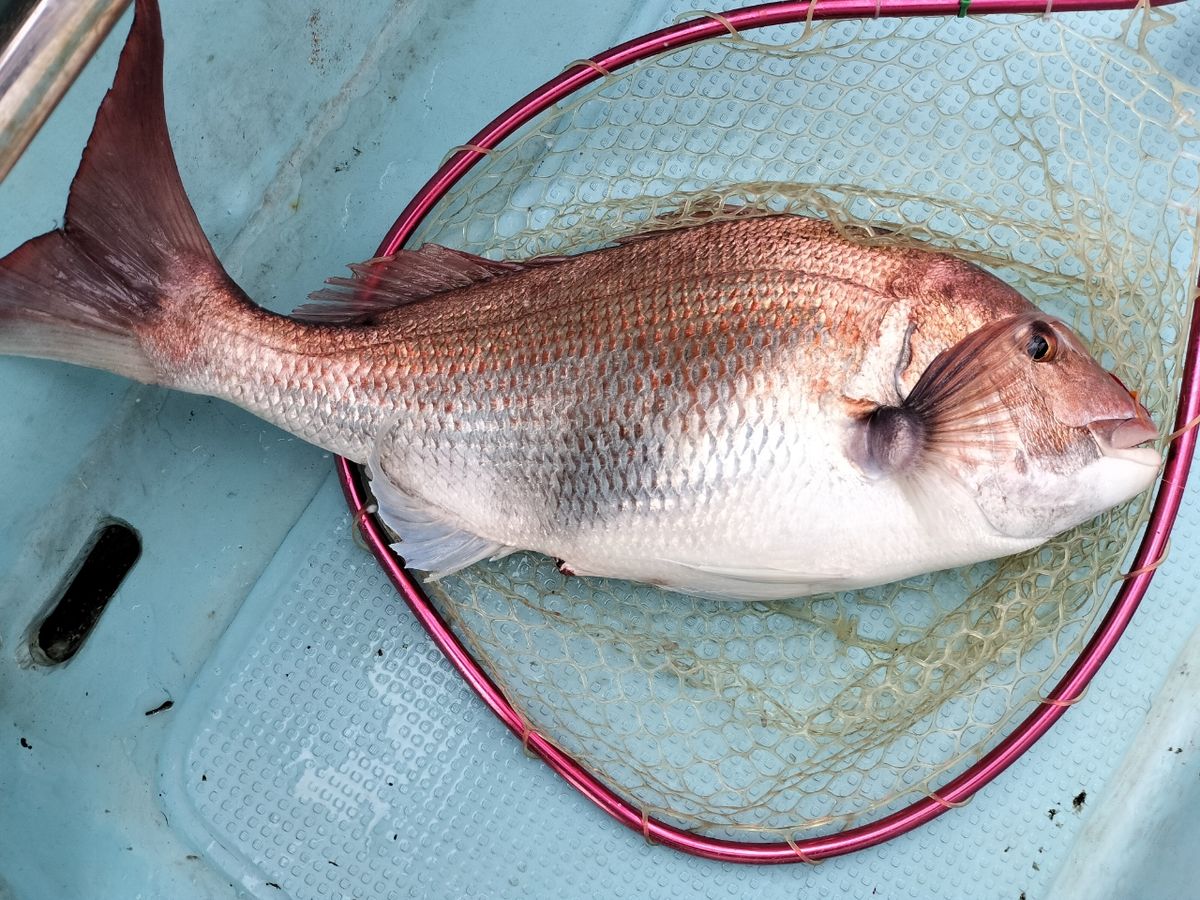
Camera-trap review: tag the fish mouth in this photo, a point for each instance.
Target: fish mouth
(1127, 438)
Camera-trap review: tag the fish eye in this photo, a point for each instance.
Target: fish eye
(1042, 343)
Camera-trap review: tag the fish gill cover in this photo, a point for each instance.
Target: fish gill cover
(1064, 162)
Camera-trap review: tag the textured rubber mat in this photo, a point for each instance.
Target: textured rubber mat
(327, 750)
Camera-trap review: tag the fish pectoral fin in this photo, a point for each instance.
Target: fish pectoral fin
(428, 541)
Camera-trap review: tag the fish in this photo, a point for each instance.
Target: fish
(754, 407)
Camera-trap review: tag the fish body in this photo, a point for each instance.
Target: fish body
(677, 410)
(756, 407)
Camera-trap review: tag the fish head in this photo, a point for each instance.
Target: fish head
(1045, 436)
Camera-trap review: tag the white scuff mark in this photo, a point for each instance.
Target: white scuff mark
(387, 684)
(346, 212)
(387, 174)
(340, 789)
(429, 90)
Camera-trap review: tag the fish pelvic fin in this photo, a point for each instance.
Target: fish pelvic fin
(83, 293)
(428, 542)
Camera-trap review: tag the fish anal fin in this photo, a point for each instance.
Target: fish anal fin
(748, 581)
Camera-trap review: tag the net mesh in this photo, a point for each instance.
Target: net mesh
(1054, 152)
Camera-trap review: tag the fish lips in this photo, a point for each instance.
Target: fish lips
(1124, 438)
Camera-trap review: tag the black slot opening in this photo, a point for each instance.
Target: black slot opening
(109, 556)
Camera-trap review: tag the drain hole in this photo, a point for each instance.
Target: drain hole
(111, 553)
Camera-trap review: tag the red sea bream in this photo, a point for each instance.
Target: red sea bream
(755, 407)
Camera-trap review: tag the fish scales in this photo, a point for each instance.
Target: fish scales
(654, 383)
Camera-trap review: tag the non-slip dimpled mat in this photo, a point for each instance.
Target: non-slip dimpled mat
(329, 749)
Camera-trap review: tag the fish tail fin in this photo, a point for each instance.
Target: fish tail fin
(87, 292)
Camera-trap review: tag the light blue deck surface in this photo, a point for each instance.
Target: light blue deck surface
(301, 130)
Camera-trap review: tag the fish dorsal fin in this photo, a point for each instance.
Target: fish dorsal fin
(407, 276)
(701, 213)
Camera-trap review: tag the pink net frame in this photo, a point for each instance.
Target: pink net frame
(1070, 688)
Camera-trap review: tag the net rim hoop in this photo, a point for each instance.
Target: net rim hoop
(1068, 690)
